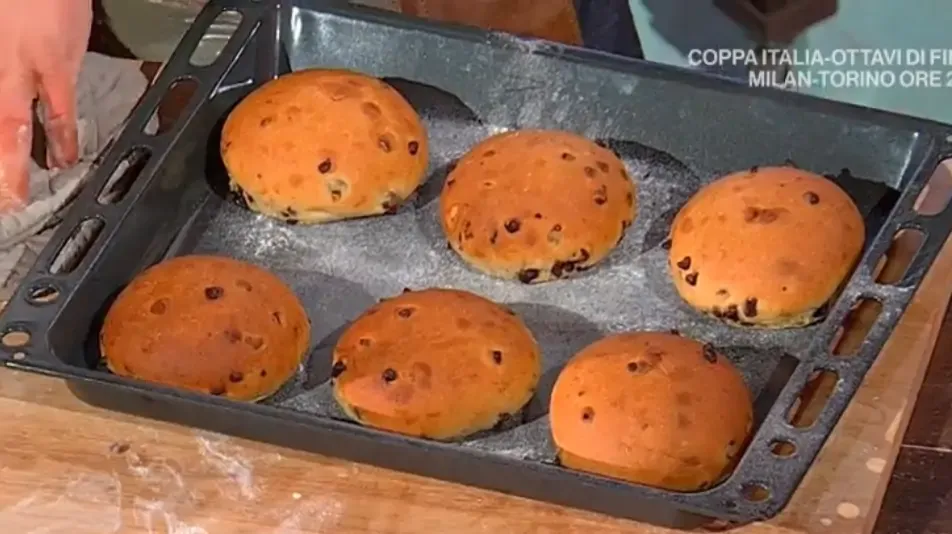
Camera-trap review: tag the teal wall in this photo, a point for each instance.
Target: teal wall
(670, 27)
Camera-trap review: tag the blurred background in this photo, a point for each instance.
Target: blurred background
(667, 31)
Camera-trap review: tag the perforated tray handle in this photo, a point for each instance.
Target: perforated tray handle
(23, 312)
(851, 369)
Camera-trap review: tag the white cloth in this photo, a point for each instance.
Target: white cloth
(107, 90)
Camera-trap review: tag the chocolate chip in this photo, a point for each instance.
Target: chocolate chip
(489, 153)
(236, 376)
(557, 228)
(691, 279)
(338, 368)
(497, 356)
(384, 143)
(731, 313)
(716, 311)
(589, 171)
(263, 373)
(217, 390)
(722, 293)
(811, 197)
(602, 166)
(632, 367)
(666, 244)
(325, 166)
(214, 292)
(751, 213)
(391, 204)
(538, 215)
(405, 313)
(685, 263)
(754, 169)
(750, 307)
(158, 307)
(276, 317)
(629, 199)
(709, 353)
(601, 195)
(568, 157)
(526, 276)
(588, 413)
(238, 198)
(233, 335)
(389, 375)
(413, 147)
(493, 236)
(266, 121)
(364, 342)
(512, 225)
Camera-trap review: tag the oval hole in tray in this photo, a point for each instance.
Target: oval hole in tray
(217, 35)
(893, 264)
(856, 326)
(43, 293)
(812, 398)
(16, 337)
(76, 246)
(175, 100)
(755, 491)
(782, 448)
(935, 196)
(124, 175)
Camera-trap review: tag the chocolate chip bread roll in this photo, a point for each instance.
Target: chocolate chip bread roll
(322, 145)
(438, 363)
(651, 408)
(536, 205)
(209, 324)
(766, 247)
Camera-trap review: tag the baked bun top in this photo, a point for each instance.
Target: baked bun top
(536, 205)
(321, 142)
(767, 246)
(652, 408)
(437, 363)
(209, 324)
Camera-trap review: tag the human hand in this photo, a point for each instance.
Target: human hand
(43, 43)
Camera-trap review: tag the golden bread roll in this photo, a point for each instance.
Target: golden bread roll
(208, 324)
(321, 145)
(768, 247)
(437, 363)
(536, 205)
(651, 408)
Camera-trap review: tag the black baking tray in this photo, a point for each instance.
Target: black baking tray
(689, 121)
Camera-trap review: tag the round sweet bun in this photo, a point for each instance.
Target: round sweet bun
(208, 324)
(438, 363)
(320, 145)
(536, 205)
(651, 408)
(767, 247)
